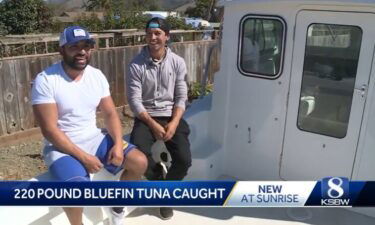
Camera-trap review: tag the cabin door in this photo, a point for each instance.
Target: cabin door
(331, 66)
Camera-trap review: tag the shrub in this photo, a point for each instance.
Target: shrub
(3, 29)
(178, 23)
(195, 90)
(24, 16)
(91, 22)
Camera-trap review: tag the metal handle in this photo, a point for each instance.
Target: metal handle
(249, 130)
(362, 90)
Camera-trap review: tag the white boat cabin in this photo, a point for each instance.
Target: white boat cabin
(294, 97)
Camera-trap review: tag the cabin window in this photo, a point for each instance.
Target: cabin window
(329, 73)
(261, 46)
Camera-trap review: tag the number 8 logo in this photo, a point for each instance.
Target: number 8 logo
(335, 188)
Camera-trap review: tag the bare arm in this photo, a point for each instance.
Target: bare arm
(111, 119)
(173, 124)
(157, 129)
(46, 115)
(177, 114)
(113, 125)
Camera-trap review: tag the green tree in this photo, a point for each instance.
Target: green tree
(44, 16)
(91, 22)
(24, 16)
(110, 21)
(142, 5)
(178, 23)
(117, 5)
(150, 5)
(93, 5)
(133, 21)
(3, 29)
(202, 9)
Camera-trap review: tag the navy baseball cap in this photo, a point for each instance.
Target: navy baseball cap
(74, 34)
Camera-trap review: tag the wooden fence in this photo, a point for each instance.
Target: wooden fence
(16, 77)
(35, 44)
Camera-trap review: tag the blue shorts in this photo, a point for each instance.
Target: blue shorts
(68, 168)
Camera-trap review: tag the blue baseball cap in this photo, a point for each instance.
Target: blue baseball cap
(74, 34)
(158, 22)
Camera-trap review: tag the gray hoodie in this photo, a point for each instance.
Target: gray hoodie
(156, 87)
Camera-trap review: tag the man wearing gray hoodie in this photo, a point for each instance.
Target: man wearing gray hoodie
(157, 94)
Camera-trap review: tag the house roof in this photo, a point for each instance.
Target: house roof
(63, 19)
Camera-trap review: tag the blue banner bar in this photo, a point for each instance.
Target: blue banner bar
(333, 191)
(105, 193)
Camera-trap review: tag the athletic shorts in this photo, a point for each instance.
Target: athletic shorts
(67, 168)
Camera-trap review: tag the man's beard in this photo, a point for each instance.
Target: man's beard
(72, 62)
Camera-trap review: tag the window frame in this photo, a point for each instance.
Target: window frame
(303, 69)
(240, 39)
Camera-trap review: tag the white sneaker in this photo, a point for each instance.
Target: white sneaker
(116, 218)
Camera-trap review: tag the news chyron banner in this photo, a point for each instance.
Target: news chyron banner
(332, 191)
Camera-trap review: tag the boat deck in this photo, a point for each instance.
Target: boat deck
(251, 216)
(194, 215)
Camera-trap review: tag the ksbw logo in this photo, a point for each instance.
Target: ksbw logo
(335, 191)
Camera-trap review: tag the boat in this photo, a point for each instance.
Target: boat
(293, 101)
